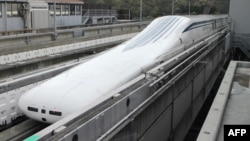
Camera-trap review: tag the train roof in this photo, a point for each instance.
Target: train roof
(196, 18)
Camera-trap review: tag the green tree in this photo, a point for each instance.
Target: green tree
(156, 8)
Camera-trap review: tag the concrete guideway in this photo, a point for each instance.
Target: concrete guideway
(57, 50)
(71, 35)
(231, 104)
(21, 130)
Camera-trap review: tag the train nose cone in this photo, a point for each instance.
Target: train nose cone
(24, 102)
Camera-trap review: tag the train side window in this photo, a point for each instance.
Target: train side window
(56, 113)
(43, 111)
(33, 109)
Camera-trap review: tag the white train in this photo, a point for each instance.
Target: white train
(90, 83)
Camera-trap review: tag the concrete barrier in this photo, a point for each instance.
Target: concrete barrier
(42, 38)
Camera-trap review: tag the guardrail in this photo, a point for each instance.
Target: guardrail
(211, 127)
(57, 50)
(69, 34)
(15, 32)
(243, 42)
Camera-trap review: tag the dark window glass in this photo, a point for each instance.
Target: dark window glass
(58, 10)
(51, 10)
(65, 9)
(9, 9)
(0, 10)
(78, 10)
(20, 10)
(56, 113)
(33, 109)
(43, 111)
(14, 9)
(72, 9)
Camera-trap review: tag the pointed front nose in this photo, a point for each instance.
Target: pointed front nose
(24, 102)
(28, 105)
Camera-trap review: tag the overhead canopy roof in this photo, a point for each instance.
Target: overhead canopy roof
(50, 1)
(65, 1)
(15, 0)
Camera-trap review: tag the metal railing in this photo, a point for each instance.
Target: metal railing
(15, 32)
(85, 17)
(242, 41)
(103, 13)
(99, 13)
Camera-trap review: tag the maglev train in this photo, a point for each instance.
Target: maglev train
(90, 83)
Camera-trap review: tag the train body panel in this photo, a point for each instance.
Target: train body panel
(92, 81)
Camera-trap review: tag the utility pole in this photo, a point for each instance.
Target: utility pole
(189, 7)
(5, 16)
(173, 7)
(204, 8)
(140, 10)
(55, 33)
(129, 14)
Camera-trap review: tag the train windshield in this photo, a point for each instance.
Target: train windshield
(159, 29)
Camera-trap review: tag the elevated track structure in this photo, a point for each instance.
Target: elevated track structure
(161, 103)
